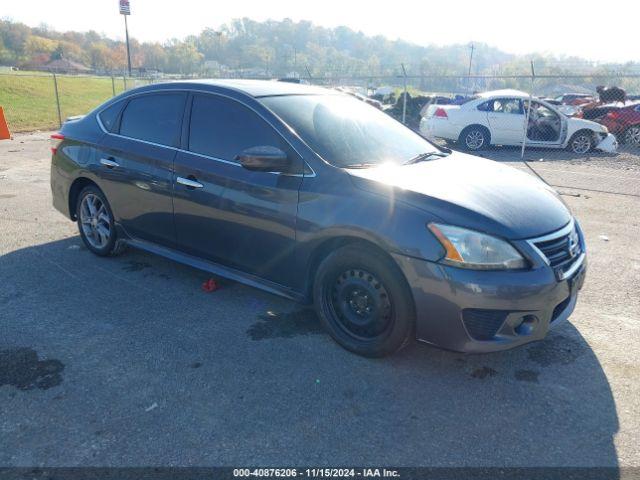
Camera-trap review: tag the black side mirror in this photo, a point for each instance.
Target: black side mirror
(265, 159)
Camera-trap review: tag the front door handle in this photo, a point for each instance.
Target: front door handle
(109, 163)
(189, 183)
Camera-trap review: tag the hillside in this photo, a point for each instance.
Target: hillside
(272, 48)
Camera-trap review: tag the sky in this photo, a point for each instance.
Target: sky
(584, 28)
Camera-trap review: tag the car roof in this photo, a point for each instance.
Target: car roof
(254, 88)
(504, 93)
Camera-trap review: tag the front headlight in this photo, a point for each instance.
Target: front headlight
(470, 249)
(605, 129)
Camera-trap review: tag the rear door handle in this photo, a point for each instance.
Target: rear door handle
(109, 163)
(188, 182)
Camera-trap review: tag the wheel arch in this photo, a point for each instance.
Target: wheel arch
(323, 249)
(586, 130)
(74, 190)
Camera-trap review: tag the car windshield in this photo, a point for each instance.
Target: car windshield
(347, 132)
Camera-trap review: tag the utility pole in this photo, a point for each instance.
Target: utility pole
(125, 11)
(526, 120)
(404, 99)
(469, 73)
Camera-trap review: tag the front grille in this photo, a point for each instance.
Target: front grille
(560, 251)
(483, 324)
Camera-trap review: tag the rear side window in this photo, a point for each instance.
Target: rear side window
(223, 128)
(109, 116)
(484, 107)
(507, 105)
(154, 118)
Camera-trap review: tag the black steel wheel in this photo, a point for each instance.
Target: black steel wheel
(364, 302)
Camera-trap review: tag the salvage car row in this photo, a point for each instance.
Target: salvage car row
(502, 117)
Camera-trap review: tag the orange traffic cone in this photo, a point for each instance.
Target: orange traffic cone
(4, 128)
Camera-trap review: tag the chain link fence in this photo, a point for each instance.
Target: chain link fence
(37, 101)
(432, 104)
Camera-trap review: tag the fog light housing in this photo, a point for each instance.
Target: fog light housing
(526, 325)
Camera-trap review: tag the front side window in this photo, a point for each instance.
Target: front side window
(347, 132)
(154, 118)
(222, 128)
(541, 111)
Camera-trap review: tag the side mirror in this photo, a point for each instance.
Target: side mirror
(264, 159)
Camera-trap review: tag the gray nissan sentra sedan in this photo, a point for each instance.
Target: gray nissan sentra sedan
(314, 195)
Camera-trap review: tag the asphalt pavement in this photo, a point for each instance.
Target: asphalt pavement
(126, 361)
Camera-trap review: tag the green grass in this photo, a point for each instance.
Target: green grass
(29, 100)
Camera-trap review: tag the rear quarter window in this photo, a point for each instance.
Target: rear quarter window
(485, 106)
(155, 118)
(109, 116)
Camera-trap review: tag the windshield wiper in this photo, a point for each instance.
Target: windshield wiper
(360, 165)
(421, 157)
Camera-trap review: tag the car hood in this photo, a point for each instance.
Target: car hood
(471, 192)
(576, 124)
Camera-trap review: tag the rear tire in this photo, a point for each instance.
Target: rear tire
(364, 302)
(96, 223)
(474, 138)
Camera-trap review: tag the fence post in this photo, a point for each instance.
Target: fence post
(55, 88)
(526, 120)
(124, 79)
(404, 100)
(113, 86)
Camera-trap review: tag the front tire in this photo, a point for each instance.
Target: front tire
(364, 302)
(96, 223)
(581, 142)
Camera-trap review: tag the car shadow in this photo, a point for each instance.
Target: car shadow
(136, 333)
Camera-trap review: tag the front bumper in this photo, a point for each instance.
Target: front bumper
(486, 311)
(608, 144)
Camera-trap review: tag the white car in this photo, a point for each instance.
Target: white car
(499, 117)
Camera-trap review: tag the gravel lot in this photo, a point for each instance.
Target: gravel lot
(126, 361)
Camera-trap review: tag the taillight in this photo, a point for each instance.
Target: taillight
(613, 115)
(441, 112)
(56, 140)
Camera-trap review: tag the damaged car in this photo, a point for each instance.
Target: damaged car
(502, 117)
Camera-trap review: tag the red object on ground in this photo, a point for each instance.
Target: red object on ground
(210, 286)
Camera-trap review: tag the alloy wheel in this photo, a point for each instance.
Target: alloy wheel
(632, 136)
(474, 140)
(95, 221)
(581, 144)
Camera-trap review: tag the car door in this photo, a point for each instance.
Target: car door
(547, 127)
(224, 212)
(506, 121)
(137, 165)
